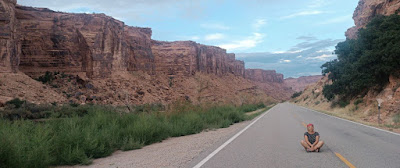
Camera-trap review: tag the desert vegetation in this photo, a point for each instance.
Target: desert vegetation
(48, 135)
(366, 62)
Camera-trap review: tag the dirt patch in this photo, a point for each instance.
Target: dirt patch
(19, 85)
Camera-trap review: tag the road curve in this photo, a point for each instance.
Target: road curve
(274, 141)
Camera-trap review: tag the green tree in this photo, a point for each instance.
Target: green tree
(365, 62)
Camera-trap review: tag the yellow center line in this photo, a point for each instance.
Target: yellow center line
(344, 160)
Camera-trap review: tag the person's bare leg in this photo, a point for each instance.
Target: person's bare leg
(305, 145)
(319, 145)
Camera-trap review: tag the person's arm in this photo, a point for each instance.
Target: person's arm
(308, 142)
(316, 140)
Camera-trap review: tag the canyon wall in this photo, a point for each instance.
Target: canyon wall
(36, 40)
(367, 9)
(9, 52)
(97, 45)
(188, 57)
(97, 54)
(137, 49)
(264, 76)
(300, 83)
(94, 44)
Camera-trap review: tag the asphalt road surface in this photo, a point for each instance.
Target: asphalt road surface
(273, 140)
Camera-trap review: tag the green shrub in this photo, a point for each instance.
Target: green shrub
(76, 135)
(251, 107)
(16, 102)
(396, 118)
(343, 103)
(47, 77)
(297, 94)
(358, 101)
(317, 102)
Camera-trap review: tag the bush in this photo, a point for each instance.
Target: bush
(47, 77)
(343, 103)
(17, 103)
(358, 101)
(296, 94)
(100, 131)
(251, 107)
(365, 62)
(317, 102)
(396, 118)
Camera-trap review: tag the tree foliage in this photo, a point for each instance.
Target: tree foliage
(367, 61)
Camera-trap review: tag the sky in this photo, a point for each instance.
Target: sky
(293, 37)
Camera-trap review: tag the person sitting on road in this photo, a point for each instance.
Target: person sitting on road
(311, 142)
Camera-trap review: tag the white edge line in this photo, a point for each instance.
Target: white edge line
(351, 121)
(201, 163)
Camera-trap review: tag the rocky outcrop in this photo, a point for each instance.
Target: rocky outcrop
(137, 49)
(9, 52)
(94, 44)
(299, 84)
(175, 58)
(235, 66)
(368, 9)
(55, 41)
(188, 57)
(264, 76)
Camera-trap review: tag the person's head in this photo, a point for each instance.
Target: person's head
(310, 127)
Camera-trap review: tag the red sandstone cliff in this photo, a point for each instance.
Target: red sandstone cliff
(367, 9)
(117, 63)
(299, 84)
(94, 44)
(188, 57)
(9, 51)
(261, 75)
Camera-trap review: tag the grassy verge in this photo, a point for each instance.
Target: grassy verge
(88, 132)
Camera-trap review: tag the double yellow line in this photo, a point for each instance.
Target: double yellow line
(337, 154)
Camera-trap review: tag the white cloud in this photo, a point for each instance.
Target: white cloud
(290, 52)
(248, 42)
(323, 57)
(337, 20)
(322, 51)
(259, 23)
(278, 52)
(215, 36)
(217, 26)
(284, 61)
(300, 56)
(303, 13)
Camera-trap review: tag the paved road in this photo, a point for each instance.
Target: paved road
(274, 141)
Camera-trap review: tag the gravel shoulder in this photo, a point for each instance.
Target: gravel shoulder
(172, 152)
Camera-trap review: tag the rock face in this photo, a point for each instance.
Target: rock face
(264, 76)
(137, 49)
(97, 54)
(9, 52)
(367, 9)
(299, 84)
(53, 41)
(235, 66)
(188, 57)
(94, 44)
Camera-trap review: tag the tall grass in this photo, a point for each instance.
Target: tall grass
(77, 139)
